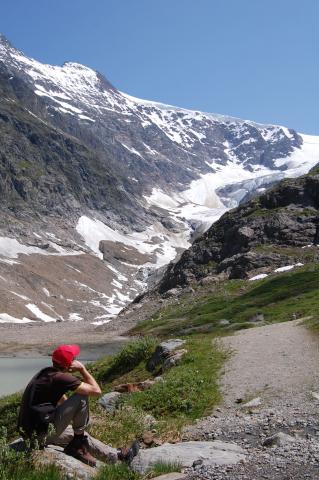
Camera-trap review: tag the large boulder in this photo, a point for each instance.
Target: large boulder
(186, 453)
(163, 351)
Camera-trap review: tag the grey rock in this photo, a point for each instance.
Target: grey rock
(149, 421)
(255, 402)
(258, 317)
(163, 351)
(110, 401)
(174, 359)
(186, 453)
(279, 439)
(18, 445)
(223, 322)
(171, 476)
(174, 292)
(70, 466)
(209, 280)
(315, 395)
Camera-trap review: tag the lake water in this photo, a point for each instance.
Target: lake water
(16, 372)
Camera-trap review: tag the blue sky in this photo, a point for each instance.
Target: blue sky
(254, 59)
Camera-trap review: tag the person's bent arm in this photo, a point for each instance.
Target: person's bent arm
(89, 386)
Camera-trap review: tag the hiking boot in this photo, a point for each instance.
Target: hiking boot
(126, 455)
(79, 449)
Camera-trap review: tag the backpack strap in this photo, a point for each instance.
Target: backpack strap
(33, 385)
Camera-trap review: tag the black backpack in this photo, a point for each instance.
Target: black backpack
(39, 416)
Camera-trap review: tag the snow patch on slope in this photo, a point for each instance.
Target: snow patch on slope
(11, 248)
(5, 318)
(301, 160)
(93, 231)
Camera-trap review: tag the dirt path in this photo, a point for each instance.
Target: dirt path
(276, 362)
(280, 364)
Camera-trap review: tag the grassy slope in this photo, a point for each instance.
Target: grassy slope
(190, 390)
(280, 297)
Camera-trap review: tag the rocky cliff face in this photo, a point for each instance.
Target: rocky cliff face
(278, 228)
(90, 172)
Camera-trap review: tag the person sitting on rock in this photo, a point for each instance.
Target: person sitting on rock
(44, 402)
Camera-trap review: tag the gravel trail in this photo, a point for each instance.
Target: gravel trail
(277, 361)
(279, 364)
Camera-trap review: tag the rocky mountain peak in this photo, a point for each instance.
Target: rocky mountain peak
(4, 41)
(130, 182)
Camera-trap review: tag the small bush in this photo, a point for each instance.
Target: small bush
(126, 360)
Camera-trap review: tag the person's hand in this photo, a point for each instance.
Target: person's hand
(76, 366)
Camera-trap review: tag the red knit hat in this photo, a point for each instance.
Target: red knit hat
(65, 354)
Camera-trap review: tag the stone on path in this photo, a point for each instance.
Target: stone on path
(72, 467)
(278, 440)
(315, 395)
(171, 476)
(255, 402)
(186, 453)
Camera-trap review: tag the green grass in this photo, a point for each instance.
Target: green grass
(117, 472)
(267, 212)
(162, 468)
(188, 391)
(9, 407)
(19, 466)
(279, 297)
(21, 469)
(299, 254)
(119, 428)
(312, 322)
(131, 356)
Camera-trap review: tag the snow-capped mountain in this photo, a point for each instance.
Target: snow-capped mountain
(98, 174)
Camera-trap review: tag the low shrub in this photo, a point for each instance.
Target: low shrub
(126, 360)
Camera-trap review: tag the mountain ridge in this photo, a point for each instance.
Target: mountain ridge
(136, 175)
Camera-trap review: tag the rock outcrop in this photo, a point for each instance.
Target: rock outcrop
(166, 354)
(265, 233)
